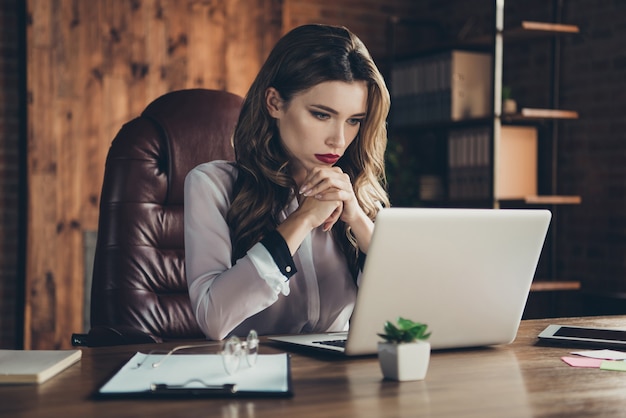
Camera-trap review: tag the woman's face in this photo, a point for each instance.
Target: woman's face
(318, 124)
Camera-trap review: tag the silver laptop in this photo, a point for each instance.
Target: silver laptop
(464, 272)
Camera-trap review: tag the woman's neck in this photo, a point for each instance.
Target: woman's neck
(298, 176)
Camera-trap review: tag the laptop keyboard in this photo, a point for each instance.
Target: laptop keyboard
(334, 343)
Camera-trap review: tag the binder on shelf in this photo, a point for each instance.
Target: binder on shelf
(450, 86)
(470, 166)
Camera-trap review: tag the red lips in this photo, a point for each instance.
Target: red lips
(328, 158)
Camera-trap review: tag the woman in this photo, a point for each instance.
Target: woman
(275, 241)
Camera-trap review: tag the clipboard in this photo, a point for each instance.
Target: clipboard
(198, 376)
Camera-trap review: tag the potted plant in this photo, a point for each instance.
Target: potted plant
(405, 353)
(509, 105)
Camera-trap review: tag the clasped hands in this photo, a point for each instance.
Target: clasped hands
(328, 197)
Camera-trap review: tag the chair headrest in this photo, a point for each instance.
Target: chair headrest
(190, 143)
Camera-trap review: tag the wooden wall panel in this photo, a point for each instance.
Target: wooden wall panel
(93, 65)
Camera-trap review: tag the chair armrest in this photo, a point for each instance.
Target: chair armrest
(101, 336)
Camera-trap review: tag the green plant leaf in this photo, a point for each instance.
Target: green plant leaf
(406, 330)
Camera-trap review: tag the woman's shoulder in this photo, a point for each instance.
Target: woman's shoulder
(215, 169)
(220, 173)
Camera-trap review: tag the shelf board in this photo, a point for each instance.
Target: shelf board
(553, 285)
(531, 30)
(479, 203)
(534, 113)
(548, 28)
(441, 124)
(524, 114)
(527, 30)
(553, 200)
(557, 28)
(486, 202)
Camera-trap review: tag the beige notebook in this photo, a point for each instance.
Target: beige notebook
(34, 366)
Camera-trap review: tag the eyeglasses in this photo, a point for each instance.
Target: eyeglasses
(231, 351)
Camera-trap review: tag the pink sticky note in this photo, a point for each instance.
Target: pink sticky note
(582, 362)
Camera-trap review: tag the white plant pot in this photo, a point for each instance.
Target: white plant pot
(403, 362)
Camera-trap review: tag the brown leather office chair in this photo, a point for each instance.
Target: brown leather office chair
(139, 291)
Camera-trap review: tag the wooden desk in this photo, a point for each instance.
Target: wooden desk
(518, 380)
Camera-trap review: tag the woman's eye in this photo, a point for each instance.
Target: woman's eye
(355, 121)
(320, 115)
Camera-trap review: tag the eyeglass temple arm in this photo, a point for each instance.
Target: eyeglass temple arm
(178, 348)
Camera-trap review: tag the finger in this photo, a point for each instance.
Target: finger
(319, 179)
(332, 219)
(338, 181)
(334, 194)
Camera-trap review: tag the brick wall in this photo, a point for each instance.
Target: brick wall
(11, 120)
(593, 150)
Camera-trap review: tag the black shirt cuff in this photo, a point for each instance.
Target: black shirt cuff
(279, 250)
(361, 260)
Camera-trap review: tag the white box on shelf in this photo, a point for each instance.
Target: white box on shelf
(471, 84)
(517, 163)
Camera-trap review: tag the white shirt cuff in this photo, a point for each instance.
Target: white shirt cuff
(267, 269)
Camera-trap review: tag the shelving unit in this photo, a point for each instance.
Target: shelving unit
(529, 114)
(526, 31)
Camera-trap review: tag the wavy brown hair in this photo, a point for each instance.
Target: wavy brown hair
(304, 57)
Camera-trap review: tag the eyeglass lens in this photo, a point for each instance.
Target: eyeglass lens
(233, 350)
(252, 347)
(231, 354)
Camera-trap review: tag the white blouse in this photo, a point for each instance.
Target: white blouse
(254, 294)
